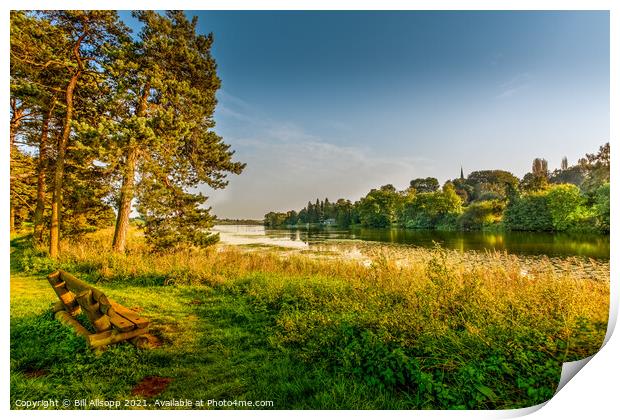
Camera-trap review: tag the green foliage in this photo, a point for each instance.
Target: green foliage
(170, 129)
(30, 261)
(135, 107)
(418, 219)
(273, 219)
(23, 186)
(424, 185)
(447, 222)
(490, 181)
(597, 166)
(341, 213)
(556, 208)
(575, 175)
(601, 207)
(463, 190)
(430, 210)
(540, 201)
(533, 182)
(380, 207)
(482, 214)
(563, 202)
(344, 213)
(173, 218)
(528, 212)
(87, 198)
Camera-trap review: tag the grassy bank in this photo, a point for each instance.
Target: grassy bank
(411, 329)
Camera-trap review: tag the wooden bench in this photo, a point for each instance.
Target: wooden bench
(112, 322)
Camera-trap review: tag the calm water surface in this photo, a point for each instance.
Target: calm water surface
(525, 243)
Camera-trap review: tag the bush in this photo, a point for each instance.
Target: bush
(420, 221)
(601, 207)
(564, 202)
(30, 260)
(529, 212)
(489, 196)
(481, 214)
(557, 208)
(436, 210)
(448, 222)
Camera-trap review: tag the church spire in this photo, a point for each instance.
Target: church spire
(462, 177)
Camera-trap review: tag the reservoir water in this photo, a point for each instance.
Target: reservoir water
(522, 243)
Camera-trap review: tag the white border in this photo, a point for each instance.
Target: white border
(593, 393)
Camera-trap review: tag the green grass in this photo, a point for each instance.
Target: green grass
(310, 333)
(215, 346)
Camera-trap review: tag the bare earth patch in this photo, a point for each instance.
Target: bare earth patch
(151, 386)
(35, 373)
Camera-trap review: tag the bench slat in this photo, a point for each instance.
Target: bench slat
(129, 315)
(127, 324)
(120, 323)
(111, 337)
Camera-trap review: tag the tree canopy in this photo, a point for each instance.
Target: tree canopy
(557, 200)
(102, 119)
(424, 185)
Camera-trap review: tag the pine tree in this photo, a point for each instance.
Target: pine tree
(89, 35)
(17, 172)
(166, 132)
(311, 217)
(94, 108)
(319, 211)
(18, 114)
(173, 217)
(36, 49)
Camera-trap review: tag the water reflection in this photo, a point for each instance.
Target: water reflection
(528, 243)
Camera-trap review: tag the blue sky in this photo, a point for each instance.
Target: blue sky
(332, 104)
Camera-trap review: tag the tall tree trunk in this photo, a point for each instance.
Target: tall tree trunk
(124, 210)
(63, 141)
(12, 218)
(41, 172)
(127, 189)
(60, 168)
(17, 113)
(16, 119)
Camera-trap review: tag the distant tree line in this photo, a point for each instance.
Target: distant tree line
(219, 221)
(571, 198)
(103, 121)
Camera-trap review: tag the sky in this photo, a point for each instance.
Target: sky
(332, 104)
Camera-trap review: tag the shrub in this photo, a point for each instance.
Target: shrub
(420, 221)
(490, 195)
(481, 214)
(564, 202)
(557, 208)
(528, 212)
(601, 207)
(448, 222)
(433, 210)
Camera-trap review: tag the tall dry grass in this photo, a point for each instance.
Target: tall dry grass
(415, 290)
